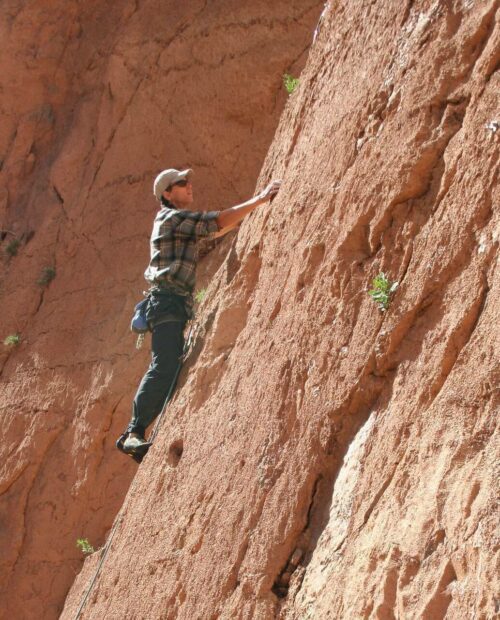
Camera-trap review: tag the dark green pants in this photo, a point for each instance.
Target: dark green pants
(167, 344)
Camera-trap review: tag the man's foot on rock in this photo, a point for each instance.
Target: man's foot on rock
(135, 443)
(136, 446)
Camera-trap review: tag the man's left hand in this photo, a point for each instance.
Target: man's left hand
(271, 190)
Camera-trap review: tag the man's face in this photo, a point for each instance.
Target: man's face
(181, 193)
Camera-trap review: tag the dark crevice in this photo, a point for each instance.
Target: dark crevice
(424, 198)
(457, 343)
(484, 33)
(436, 539)
(379, 494)
(58, 194)
(232, 263)
(282, 582)
(344, 425)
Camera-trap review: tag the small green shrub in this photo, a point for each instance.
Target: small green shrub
(382, 290)
(47, 275)
(200, 295)
(85, 547)
(290, 83)
(13, 247)
(12, 340)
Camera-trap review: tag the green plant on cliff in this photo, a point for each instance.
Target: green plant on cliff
(12, 340)
(85, 547)
(12, 247)
(382, 290)
(290, 83)
(200, 295)
(47, 275)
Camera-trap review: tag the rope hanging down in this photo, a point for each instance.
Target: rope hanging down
(99, 565)
(154, 433)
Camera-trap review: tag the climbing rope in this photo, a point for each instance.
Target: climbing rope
(99, 566)
(156, 428)
(185, 354)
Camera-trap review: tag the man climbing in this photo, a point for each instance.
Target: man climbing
(171, 274)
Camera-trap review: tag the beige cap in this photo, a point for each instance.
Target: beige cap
(167, 178)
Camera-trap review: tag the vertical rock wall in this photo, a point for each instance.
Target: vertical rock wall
(324, 459)
(95, 99)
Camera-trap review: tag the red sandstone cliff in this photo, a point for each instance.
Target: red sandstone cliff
(318, 431)
(96, 98)
(321, 459)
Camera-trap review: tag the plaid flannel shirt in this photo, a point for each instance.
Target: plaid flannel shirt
(174, 246)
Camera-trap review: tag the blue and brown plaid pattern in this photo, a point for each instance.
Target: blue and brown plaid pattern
(174, 248)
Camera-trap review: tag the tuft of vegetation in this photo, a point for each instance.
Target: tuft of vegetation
(13, 247)
(85, 547)
(47, 275)
(382, 291)
(200, 295)
(290, 83)
(12, 340)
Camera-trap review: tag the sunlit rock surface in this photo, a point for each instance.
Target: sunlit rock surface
(322, 459)
(338, 461)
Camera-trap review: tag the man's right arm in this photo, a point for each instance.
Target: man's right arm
(230, 218)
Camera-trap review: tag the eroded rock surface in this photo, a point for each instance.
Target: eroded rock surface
(96, 98)
(324, 459)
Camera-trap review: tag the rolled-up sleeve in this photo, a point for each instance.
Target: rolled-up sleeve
(197, 223)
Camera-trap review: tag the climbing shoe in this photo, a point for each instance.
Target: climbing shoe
(133, 445)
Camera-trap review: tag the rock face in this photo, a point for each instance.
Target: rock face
(321, 458)
(324, 459)
(96, 98)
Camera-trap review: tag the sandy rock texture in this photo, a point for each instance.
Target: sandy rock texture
(324, 459)
(95, 99)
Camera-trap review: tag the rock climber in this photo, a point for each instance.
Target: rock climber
(171, 274)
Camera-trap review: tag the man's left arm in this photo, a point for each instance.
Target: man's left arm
(228, 220)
